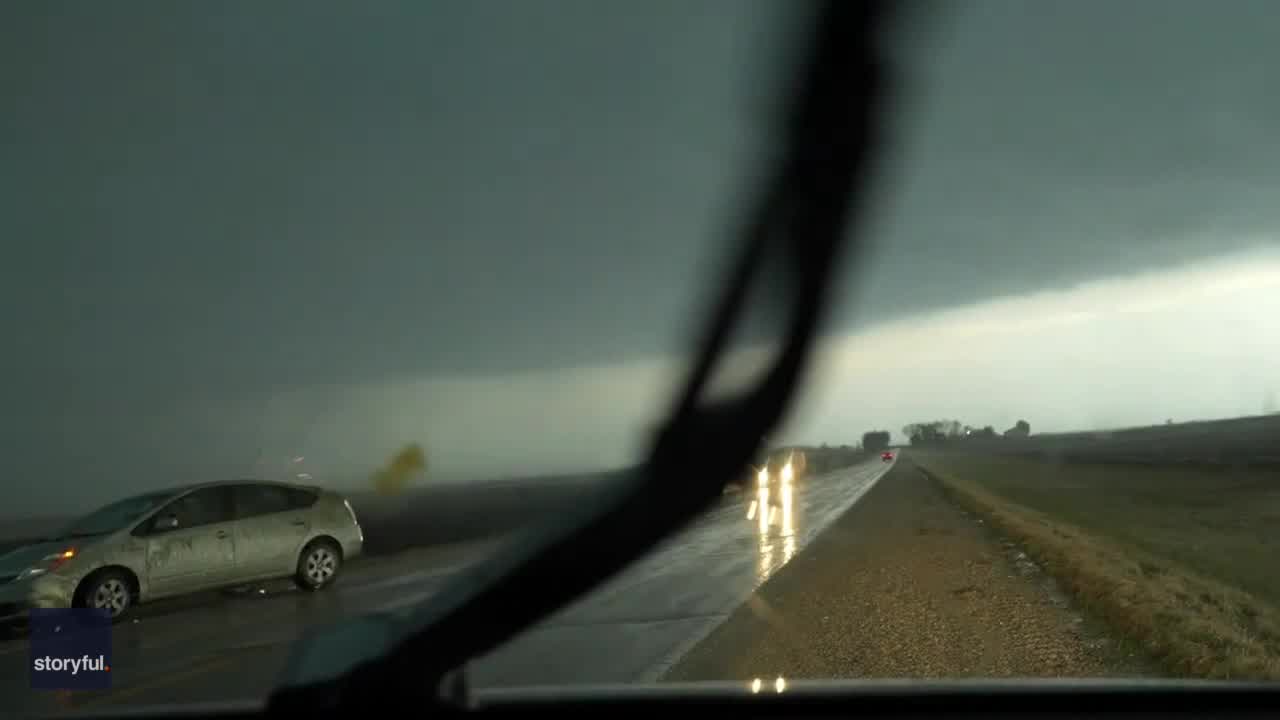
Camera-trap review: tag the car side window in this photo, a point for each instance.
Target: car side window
(202, 507)
(255, 500)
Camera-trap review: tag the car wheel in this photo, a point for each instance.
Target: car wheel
(111, 590)
(318, 565)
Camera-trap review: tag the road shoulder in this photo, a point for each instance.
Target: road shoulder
(906, 585)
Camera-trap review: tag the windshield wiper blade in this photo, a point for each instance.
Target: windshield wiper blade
(829, 139)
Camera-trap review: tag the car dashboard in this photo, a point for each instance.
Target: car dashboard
(810, 699)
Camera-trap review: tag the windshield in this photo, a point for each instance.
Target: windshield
(115, 516)
(415, 280)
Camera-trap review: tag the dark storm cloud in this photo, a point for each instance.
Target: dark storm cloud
(1048, 144)
(292, 194)
(240, 193)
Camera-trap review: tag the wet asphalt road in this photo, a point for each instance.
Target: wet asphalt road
(234, 647)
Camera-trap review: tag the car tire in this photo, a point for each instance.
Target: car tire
(318, 565)
(110, 590)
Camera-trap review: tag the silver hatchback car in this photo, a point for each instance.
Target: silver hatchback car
(182, 541)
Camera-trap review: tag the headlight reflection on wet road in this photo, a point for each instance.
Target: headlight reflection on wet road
(776, 549)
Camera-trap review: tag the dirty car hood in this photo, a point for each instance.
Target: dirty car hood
(21, 558)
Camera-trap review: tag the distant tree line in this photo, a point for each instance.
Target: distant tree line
(825, 458)
(938, 432)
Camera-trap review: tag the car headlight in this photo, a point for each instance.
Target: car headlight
(48, 563)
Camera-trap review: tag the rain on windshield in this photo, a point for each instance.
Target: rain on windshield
(379, 288)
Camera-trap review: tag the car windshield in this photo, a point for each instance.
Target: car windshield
(115, 516)
(426, 276)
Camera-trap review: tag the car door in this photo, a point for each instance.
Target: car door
(191, 545)
(272, 522)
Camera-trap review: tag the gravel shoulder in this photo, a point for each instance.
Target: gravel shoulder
(907, 585)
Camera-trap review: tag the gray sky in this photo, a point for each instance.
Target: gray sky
(239, 232)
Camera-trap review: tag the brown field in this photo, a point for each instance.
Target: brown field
(1181, 560)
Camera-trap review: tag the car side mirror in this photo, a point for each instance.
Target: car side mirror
(168, 521)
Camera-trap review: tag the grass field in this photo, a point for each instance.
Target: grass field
(1183, 561)
(1233, 443)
